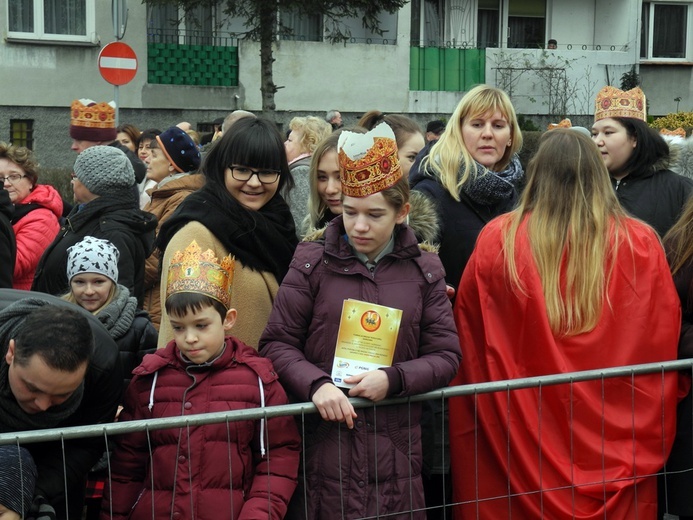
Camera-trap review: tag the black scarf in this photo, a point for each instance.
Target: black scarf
(491, 188)
(83, 213)
(262, 240)
(13, 418)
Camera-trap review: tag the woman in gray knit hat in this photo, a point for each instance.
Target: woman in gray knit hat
(106, 207)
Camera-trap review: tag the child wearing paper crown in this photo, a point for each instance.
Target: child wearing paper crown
(242, 470)
(367, 463)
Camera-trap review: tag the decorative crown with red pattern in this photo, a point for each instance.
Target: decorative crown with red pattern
(678, 132)
(613, 102)
(92, 121)
(195, 271)
(368, 163)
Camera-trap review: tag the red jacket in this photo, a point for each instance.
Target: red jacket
(206, 472)
(34, 230)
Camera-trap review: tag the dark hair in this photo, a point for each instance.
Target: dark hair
(650, 146)
(397, 195)
(402, 126)
(148, 134)
(61, 336)
(132, 132)
(252, 142)
(179, 304)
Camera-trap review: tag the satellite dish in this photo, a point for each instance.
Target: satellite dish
(120, 18)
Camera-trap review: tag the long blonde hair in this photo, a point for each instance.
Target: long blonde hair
(316, 206)
(450, 155)
(574, 226)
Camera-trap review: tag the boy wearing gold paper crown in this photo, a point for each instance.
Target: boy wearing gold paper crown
(245, 471)
(366, 280)
(638, 159)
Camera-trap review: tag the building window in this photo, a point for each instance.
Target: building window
(54, 20)
(663, 31)
(498, 23)
(22, 132)
(488, 24)
(300, 27)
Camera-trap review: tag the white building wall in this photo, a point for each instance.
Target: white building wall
(355, 77)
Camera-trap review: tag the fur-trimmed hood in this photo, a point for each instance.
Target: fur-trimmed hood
(422, 219)
(681, 156)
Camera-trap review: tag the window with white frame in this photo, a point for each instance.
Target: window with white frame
(54, 20)
(664, 30)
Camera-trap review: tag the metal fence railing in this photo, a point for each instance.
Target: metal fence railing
(303, 410)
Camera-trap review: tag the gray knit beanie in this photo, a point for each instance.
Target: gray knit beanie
(93, 255)
(17, 479)
(104, 170)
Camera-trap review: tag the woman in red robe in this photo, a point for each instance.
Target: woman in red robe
(564, 283)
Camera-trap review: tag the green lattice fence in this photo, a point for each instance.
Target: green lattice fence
(206, 65)
(446, 69)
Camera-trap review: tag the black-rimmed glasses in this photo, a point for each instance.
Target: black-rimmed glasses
(243, 174)
(15, 177)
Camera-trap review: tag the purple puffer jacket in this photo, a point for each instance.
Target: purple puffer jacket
(300, 340)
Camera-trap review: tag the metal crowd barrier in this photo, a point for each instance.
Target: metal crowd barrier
(303, 409)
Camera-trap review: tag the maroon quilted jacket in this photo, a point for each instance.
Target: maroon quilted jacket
(205, 472)
(381, 457)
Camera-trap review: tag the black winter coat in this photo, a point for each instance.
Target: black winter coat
(8, 246)
(102, 394)
(460, 222)
(654, 197)
(111, 217)
(140, 339)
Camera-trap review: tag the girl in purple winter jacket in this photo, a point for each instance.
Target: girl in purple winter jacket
(363, 276)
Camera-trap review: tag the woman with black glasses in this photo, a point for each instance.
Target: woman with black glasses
(240, 212)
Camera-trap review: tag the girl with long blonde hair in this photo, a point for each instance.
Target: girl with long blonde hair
(325, 188)
(564, 283)
(574, 226)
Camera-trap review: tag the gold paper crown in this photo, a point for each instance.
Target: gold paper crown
(194, 271)
(613, 102)
(92, 115)
(565, 123)
(375, 166)
(679, 132)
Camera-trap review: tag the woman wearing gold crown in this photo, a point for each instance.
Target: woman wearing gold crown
(566, 282)
(638, 160)
(366, 278)
(239, 211)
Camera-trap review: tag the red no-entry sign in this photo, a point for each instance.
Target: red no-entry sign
(117, 63)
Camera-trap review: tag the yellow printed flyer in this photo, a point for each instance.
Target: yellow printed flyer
(366, 340)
